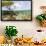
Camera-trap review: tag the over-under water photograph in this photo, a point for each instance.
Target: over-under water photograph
(16, 10)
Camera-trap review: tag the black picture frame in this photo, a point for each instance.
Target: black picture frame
(17, 20)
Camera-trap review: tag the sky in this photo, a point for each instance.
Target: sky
(19, 5)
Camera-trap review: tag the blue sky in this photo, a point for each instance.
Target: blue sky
(19, 5)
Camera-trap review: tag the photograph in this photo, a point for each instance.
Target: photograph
(16, 10)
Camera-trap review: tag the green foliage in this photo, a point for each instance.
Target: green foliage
(11, 31)
(8, 12)
(41, 17)
(7, 3)
(45, 17)
(6, 0)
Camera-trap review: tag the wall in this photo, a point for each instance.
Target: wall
(29, 27)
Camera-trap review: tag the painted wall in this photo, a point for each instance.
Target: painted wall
(26, 28)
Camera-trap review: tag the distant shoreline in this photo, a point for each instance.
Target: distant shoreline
(16, 10)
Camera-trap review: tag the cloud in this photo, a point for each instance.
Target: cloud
(20, 5)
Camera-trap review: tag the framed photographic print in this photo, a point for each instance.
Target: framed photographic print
(16, 10)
